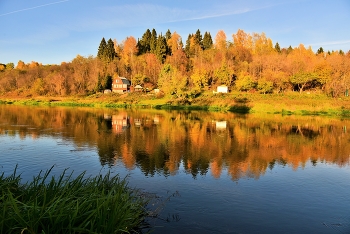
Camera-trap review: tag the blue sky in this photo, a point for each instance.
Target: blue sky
(53, 31)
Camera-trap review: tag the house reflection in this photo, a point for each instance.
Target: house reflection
(138, 122)
(107, 116)
(120, 122)
(220, 125)
(156, 119)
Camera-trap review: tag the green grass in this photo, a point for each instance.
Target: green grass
(48, 204)
(290, 103)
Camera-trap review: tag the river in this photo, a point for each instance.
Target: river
(209, 172)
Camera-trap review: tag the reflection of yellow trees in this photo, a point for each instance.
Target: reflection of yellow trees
(128, 158)
(159, 141)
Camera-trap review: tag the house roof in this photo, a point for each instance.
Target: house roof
(125, 81)
(138, 87)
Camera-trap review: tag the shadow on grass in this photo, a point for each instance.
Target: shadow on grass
(242, 109)
(241, 100)
(240, 106)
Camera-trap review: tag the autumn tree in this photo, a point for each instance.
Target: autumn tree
(242, 39)
(245, 82)
(129, 50)
(200, 78)
(242, 46)
(302, 80)
(224, 76)
(21, 65)
(10, 66)
(174, 43)
(220, 40)
(262, 44)
(171, 81)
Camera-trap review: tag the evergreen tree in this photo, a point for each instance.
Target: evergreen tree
(161, 48)
(320, 51)
(167, 35)
(98, 87)
(153, 41)
(102, 49)
(207, 41)
(277, 47)
(107, 82)
(188, 45)
(144, 44)
(109, 54)
(290, 49)
(181, 44)
(198, 38)
(167, 38)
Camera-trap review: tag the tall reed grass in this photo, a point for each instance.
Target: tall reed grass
(63, 204)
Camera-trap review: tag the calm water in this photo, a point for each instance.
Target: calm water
(213, 172)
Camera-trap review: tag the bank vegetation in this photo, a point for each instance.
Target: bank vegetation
(249, 64)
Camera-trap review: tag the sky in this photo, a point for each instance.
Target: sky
(55, 31)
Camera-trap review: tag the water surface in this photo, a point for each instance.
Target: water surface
(212, 172)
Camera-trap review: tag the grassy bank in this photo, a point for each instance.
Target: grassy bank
(101, 204)
(239, 102)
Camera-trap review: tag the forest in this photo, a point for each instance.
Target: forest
(245, 62)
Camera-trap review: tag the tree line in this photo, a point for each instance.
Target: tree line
(247, 62)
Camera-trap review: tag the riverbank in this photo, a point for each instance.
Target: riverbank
(291, 103)
(100, 204)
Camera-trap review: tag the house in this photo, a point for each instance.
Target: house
(138, 88)
(222, 89)
(120, 84)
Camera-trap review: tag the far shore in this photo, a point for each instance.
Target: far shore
(291, 103)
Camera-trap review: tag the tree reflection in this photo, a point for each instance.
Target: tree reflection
(162, 142)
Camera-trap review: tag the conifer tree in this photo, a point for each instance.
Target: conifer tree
(167, 38)
(188, 45)
(168, 35)
(320, 51)
(198, 38)
(161, 48)
(144, 44)
(109, 54)
(207, 41)
(153, 41)
(102, 49)
(277, 47)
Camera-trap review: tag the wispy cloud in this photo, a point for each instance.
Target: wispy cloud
(31, 8)
(329, 43)
(149, 14)
(145, 14)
